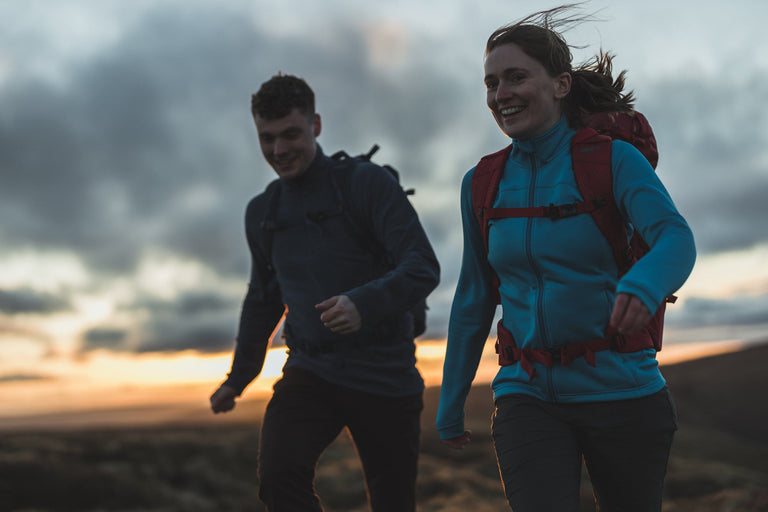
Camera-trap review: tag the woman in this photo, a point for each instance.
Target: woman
(559, 286)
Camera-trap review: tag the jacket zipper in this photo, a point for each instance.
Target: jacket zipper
(537, 273)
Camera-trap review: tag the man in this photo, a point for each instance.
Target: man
(339, 249)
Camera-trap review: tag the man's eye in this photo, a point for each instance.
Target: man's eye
(490, 85)
(292, 135)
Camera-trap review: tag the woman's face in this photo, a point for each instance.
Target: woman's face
(523, 97)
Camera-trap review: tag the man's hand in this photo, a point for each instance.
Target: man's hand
(458, 443)
(629, 314)
(223, 399)
(340, 315)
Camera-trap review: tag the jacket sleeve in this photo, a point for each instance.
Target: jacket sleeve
(415, 271)
(261, 311)
(472, 312)
(647, 206)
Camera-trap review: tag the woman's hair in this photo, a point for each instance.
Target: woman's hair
(281, 94)
(593, 88)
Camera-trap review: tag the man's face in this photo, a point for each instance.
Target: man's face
(288, 143)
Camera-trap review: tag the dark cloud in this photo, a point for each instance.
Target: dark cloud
(731, 218)
(104, 338)
(199, 321)
(98, 166)
(708, 312)
(714, 155)
(24, 301)
(204, 335)
(106, 164)
(24, 377)
(187, 305)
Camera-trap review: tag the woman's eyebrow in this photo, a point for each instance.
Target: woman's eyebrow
(507, 71)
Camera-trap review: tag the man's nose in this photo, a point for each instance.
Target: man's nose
(280, 147)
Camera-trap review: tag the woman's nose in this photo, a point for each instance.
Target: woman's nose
(503, 91)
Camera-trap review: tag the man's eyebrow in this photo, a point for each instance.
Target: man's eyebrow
(290, 130)
(286, 131)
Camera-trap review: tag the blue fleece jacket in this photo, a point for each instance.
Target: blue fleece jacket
(559, 279)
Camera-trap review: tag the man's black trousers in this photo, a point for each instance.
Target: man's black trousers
(304, 416)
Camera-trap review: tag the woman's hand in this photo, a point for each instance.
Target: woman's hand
(458, 443)
(629, 314)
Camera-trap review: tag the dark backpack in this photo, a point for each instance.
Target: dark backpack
(591, 159)
(339, 177)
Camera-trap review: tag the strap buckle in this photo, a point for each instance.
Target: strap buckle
(563, 210)
(556, 353)
(617, 341)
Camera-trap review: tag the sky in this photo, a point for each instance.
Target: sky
(128, 154)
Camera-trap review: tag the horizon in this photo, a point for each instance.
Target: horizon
(186, 401)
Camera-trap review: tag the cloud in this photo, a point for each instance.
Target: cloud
(24, 377)
(24, 301)
(714, 154)
(204, 322)
(112, 162)
(99, 165)
(707, 312)
(104, 338)
(203, 335)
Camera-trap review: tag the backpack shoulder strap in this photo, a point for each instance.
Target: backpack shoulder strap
(268, 224)
(485, 186)
(340, 177)
(591, 158)
(341, 182)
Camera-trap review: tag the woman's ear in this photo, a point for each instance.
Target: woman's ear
(562, 85)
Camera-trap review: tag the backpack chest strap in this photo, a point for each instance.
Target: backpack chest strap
(552, 211)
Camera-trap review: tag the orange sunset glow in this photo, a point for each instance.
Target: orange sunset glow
(110, 389)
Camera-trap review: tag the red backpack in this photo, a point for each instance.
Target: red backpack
(591, 159)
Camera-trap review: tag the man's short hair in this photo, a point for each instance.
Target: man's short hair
(281, 94)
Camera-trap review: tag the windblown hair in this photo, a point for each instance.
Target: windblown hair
(593, 88)
(281, 94)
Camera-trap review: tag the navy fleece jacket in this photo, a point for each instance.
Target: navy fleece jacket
(318, 254)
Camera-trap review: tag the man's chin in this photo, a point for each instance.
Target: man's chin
(285, 171)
